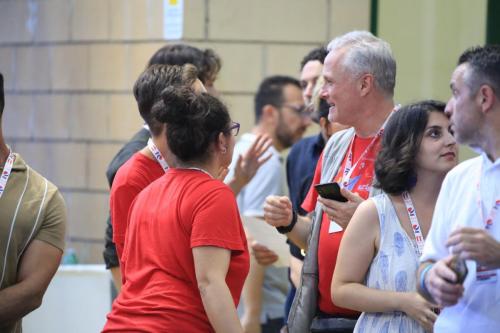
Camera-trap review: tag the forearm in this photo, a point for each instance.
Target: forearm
(117, 277)
(421, 288)
(236, 185)
(17, 301)
(300, 232)
(252, 290)
(359, 297)
(219, 306)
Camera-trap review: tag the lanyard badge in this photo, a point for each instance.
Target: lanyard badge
(484, 274)
(7, 169)
(157, 154)
(415, 226)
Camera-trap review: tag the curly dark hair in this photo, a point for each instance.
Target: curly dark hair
(193, 122)
(207, 62)
(395, 163)
(150, 84)
(318, 54)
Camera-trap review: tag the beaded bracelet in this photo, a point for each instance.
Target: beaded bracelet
(423, 274)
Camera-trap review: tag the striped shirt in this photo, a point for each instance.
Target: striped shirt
(30, 208)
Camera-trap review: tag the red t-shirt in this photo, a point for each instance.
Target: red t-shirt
(181, 210)
(132, 177)
(329, 243)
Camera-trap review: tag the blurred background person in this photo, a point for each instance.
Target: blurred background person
(281, 115)
(378, 257)
(186, 256)
(208, 65)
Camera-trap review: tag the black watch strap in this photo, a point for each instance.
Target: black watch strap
(288, 228)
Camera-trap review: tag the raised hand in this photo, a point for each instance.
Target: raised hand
(248, 164)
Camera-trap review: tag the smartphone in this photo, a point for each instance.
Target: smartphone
(330, 191)
(460, 268)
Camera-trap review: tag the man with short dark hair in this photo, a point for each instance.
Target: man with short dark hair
(151, 162)
(32, 228)
(280, 113)
(466, 225)
(208, 65)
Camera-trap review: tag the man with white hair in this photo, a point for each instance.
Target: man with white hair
(360, 75)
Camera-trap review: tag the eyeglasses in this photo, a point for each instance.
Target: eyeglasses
(234, 129)
(300, 110)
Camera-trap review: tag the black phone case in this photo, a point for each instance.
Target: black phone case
(330, 191)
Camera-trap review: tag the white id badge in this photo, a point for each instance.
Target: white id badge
(334, 227)
(484, 275)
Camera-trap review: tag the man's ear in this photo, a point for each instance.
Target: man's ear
(486, 97)
(366, 83)
(270, 114)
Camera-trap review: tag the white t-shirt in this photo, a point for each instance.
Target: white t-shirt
(458, 206)
(269, 180)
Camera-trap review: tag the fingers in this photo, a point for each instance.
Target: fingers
(260, 145)
(354, 197)
(332, 204)
(263, 254)
(444, 292)
(264, 159)
(471, 243)
(277, 211)
(223, 171)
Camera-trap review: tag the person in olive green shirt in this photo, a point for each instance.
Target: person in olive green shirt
(32, 228)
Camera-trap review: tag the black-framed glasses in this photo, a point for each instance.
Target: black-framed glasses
(234, 129)
(300, 110)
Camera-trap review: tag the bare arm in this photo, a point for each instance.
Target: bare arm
(211, 265)
(278, 213)
(37, 266)
(295, 270)
(357, 249)
(252, 297)
(116, 274)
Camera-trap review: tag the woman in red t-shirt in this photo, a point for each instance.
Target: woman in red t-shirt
(185, 251)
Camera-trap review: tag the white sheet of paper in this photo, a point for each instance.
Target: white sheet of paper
(173, 19)
(334, 227)
(268, 236)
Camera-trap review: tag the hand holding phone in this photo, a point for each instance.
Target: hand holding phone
(330, 191)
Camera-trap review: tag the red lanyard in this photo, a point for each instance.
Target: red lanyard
(7, 169)
(349, 167)
(415, 226)
(157, 154)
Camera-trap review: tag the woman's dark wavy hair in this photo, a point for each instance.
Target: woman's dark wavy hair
(193, 122)
(396, 162)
